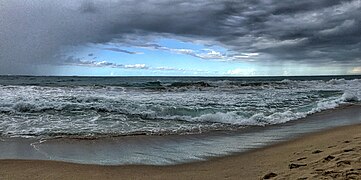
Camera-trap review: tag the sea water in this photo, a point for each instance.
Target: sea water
(91, 107)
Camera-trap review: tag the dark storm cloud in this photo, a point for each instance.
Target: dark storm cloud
(33, 32)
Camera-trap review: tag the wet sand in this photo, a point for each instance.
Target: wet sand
(333, 154)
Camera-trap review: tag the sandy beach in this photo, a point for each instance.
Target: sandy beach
(331, 154)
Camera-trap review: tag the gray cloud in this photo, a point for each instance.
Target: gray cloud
(121, 50)
(316, 32)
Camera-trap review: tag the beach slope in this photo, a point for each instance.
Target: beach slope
(334, 154)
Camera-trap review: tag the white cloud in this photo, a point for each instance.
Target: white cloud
(235, 71)
(92, 63)
(211, 54)
(103, 63)
(136, 66)
(182, 51)
(356, 70)
(240, 71)
(168, 69)
(203, 54)
(242, 56)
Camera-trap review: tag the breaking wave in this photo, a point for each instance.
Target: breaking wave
(157, 107)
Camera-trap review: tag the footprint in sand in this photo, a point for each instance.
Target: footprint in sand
(269, 175)
(329, 158)
(301, 158)
(344, 162)
(348, 150)
(293, 165)
(317, 151)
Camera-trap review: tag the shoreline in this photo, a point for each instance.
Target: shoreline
(333, 153)
(171, 150)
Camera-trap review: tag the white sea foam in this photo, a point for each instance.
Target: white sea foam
(219, 117)
(350, 97)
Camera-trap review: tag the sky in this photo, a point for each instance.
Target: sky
(180, 38)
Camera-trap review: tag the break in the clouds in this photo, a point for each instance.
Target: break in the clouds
(313, 33)
(93, 63)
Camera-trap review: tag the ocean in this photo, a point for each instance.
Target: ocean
(93, 107)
